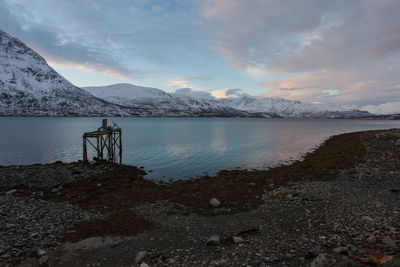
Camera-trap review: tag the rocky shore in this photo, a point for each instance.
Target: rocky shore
(339, 206)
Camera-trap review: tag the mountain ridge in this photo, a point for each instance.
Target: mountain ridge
(30, 87)
(128, 95)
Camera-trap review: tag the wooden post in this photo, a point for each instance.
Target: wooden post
(101, 147)
(84, 149)
(98, 147)
(120, 147)
(110, 156)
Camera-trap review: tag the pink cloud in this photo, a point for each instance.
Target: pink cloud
(340, 52)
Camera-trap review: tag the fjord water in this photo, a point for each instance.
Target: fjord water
(176, 148)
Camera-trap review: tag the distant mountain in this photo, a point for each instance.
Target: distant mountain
(276, 107)
(156, 102)
(30, 87)
(169, 104)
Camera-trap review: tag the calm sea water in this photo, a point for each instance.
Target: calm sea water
(176, 147)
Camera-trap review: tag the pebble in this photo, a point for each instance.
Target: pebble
(371, 239)
(320, 261)
(10, 192)
(367, 219)
(340, 250)
(44, 259)
(289, 256)
(5, 256)
(140, 256)
(48, 175)
(214, 240)
(214, 202)
(41, 252)
(144, 265)
(35, 224)
(237, 240)
(389, 242)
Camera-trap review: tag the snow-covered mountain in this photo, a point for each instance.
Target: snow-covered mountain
(30, 87)
(157, 102)
(245, 106)
(277, 107)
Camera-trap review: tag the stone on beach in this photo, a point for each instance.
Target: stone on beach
(320, 261)
(389, 242)
(238, 239)
(214, 240)
(140, 256)
(340, 250)
(215, 202)
(367, 219)
(10, 192)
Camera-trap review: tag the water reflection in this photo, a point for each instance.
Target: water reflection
(176, 147)
(218, 138)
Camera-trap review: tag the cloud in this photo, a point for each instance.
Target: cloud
(361, 87)
(187, 82)
(233, 92)
(193, 93)
(260, 31)
(219, 93)
(186, 87)
(327, 51)
(180, 82)
(198, 78)
(386, 108)
(59, 47)
(127, 37)
(343, 52)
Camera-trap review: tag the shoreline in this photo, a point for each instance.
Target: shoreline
(247, 199)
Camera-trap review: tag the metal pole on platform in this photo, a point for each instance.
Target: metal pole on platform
(98, 148)
(84, 149)
(120, 147)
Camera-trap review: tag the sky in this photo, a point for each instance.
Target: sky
(342, 52)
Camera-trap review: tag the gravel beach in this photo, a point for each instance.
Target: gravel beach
(342, 211)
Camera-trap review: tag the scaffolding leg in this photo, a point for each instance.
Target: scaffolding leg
(120, 147)
(84, 149)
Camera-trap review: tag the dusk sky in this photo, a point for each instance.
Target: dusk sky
(340, 52)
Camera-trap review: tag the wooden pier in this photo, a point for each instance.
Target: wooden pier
(108, 143)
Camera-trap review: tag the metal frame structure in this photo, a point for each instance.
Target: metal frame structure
(108, 141)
